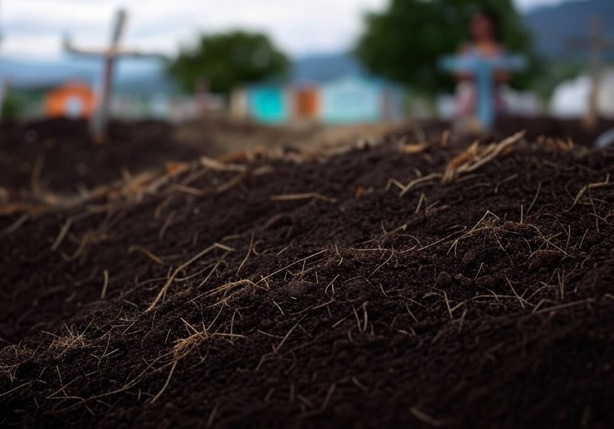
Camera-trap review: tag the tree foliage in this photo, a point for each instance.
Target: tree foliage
(229, 60)
(13, 106)
(405, 42)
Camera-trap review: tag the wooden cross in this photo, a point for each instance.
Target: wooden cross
(99, 121)
(598, 46)
(484, 70)
(4, 87)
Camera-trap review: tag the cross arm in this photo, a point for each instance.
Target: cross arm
(470, 64)
(70, 48)
(578, 43)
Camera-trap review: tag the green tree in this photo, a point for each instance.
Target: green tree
(14, 106)
(229, 60)
(405, 42)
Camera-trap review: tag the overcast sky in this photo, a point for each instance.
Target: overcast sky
(35, 27)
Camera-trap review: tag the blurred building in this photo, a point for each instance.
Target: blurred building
(571, 98)
(324, 89)
(72, 100)
(341, 101)
(68, 87)
(269, 104)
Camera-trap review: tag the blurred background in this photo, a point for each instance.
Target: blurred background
(305, 61)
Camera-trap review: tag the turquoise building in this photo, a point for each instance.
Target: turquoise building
(352, 100)
(269, 104)
(348, 100)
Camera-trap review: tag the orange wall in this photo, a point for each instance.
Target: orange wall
(307, 103)
(57, 102)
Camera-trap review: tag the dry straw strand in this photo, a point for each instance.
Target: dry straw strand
(174, 274)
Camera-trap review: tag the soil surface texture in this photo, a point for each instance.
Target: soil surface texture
(59, 156)
(404, 284)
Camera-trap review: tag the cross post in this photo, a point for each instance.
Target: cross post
(98, 123)
(598, 46)
(484, 70)
(4, 87)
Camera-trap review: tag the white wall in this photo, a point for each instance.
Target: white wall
(570, 98)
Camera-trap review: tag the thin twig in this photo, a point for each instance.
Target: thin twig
(306, 196)
(329, 395)
(419, 181)
(264, 279)
(212, 415)
(588, 188)
(172, 277)
(281, 343)
(147, 253)
(15, 389)
(249, 252)
(103, 294)
(425, 418)
(539, 188)
(168, 380)
(61, 235)
(565, 306)
(11, 229)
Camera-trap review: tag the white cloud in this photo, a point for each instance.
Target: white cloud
(528, 4)
(35, 27)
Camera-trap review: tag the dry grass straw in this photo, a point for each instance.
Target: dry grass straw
(425, 418)
(11, 357)
(413, 149)
(147, 253)
(172, 276)
(16, 225)
(590, 187)
(488, 224)
(414, 183)
(183, 346)
(305, 196)
(229, 291)
(105, 285)
(216, 165)
(243, 171)
(62, 234)
(36, 204)
(477, 156)
(70, 341)
(556, 143)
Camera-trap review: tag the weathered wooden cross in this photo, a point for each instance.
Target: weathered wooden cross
(110, 55)
(3, 85)
(484, 70)
(598, 47)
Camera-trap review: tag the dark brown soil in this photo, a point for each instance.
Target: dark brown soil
(535, 128)
(569, 129)
(59, 156)
(314, 295)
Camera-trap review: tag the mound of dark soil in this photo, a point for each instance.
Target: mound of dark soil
(535, 128)
(58, 156)
(372, 289)
(565, 129)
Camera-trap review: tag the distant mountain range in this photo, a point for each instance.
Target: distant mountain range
(320, 68)
(132, 76)
(147, 75)
(552, 26)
